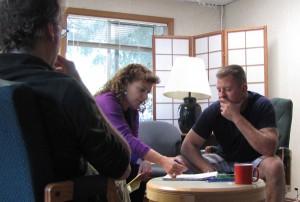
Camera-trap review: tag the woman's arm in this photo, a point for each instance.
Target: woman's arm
(167, 163)
(113, 111)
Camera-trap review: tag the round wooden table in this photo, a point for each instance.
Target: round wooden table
(159, 190)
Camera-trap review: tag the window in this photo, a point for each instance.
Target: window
(100, 43)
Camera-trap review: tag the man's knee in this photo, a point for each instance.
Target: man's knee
(272, 167)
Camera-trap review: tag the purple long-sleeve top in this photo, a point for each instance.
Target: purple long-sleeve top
(127, 122)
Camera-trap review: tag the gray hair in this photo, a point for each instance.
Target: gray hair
(24, 21)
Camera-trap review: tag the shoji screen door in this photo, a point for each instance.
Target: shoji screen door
(166, 49)
(209, 47)
(246, 47)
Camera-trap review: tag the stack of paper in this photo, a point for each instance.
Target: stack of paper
(201, 176)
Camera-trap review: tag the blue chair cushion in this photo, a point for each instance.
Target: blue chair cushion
(25, 166)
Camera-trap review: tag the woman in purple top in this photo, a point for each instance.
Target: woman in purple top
(121, 99)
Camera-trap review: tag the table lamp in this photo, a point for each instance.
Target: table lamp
(188, 81)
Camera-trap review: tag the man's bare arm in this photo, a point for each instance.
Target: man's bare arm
(190, 151)
(264, 141)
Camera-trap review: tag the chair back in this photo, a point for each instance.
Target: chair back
(284, 113)
(161, 136)
(164, 138)
(25, 164)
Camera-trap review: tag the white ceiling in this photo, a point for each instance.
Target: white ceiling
(209, 2)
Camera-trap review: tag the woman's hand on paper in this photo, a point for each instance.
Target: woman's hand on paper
(174, 166)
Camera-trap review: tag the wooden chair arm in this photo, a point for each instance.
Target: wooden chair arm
(81, 188)
(59, 191)
(283, 152)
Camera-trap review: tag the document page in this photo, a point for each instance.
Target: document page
(201, 176)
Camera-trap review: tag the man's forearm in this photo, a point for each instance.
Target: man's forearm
(192, 157)
(263, 142)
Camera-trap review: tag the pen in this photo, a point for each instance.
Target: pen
(188, 171)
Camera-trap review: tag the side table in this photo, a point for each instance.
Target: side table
(159, 190)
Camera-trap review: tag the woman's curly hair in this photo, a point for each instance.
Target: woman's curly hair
(22, 22)
(126, 75)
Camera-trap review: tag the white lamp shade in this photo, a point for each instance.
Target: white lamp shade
(188, 74)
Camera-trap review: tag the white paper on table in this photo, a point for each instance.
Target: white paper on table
(195, 177)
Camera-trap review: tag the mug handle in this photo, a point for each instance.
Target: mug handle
(257, 174)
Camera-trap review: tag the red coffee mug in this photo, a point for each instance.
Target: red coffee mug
(243, 173)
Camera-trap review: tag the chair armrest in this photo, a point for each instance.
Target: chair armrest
(283, 152)
(59, 191)
(81, 189)
(285, 155)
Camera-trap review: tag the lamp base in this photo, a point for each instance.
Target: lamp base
(188, 112)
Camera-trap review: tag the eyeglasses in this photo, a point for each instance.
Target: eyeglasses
(64, 30)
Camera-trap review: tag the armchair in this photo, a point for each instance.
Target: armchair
(163, 137)
(26, 167)
(284, 114)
